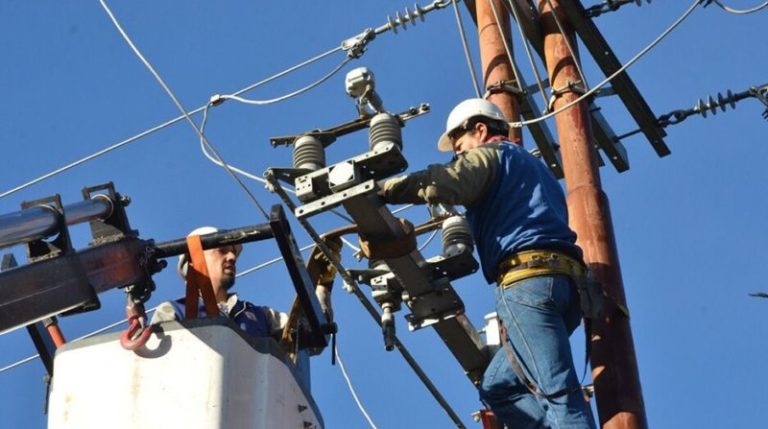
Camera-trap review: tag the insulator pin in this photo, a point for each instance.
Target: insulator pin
(308, 152)
(456, 236)
(384, 129)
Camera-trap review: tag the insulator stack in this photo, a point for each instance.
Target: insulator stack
(385, 128)
(712, 105)
(308, 152)
(456, 236)
(403, 20)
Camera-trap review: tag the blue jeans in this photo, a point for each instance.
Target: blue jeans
(540, 313)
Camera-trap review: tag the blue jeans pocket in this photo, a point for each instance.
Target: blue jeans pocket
(534, 291)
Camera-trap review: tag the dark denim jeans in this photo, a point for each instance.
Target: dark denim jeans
(540, 314)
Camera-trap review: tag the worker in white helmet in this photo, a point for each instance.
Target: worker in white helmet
(519, 221)
(258, 321)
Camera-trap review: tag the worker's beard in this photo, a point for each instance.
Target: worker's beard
(227, 282)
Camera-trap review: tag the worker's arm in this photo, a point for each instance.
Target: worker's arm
(464, 181)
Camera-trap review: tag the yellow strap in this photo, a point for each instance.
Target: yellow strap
(552, 263)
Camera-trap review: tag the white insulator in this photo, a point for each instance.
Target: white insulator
(384, 129)
(308, 152)
(456, 236)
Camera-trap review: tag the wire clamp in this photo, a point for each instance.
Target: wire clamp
(508, 86)
(762, 95)
(356, 46)
(575, 87)
(216, 99)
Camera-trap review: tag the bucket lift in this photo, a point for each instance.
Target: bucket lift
(189, 373)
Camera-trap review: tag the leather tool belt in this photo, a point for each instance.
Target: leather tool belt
(532, 263)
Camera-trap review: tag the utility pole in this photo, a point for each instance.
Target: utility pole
(614, 365)
(496, 66)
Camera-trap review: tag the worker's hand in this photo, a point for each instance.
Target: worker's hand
(323, 294)
(380, 187)
(326, 269)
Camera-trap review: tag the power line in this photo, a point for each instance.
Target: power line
(179, 106)
(354, 46)
(507, 49)
(634, 59)
(292, 94)
(527, 46)
(460, 25)
(163, 125)
(740, 11)
(352, 389)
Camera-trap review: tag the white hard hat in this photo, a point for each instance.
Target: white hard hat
(181, 267)
(465, 110)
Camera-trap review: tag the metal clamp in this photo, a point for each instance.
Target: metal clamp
(576, 87)
(507, 86)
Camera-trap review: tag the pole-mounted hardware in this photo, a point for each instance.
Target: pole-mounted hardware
(711, 105)
(423, 285)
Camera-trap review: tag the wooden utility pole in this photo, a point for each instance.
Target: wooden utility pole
(614, 365)
(495, 62)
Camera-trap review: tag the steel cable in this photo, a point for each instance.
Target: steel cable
(527, 46)
(352, 389)
(163, 125)
(740, 11)
(616, 73)
(463, 35)
(506, 46)
(568, 45)
(180, 107)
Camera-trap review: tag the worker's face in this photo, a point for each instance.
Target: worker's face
(221, 267)
(470, 139)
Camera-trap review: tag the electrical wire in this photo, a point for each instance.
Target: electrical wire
(612, 76)
(163, 125)
(342, 47)
(568, 45)
(429, 240)
(292, 94)
(527, 46)
(740, 11)
(506, 46)
(352, 389)
(180, 107)
(242, 172)
(463, 35)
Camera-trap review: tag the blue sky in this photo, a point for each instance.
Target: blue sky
(690, 227)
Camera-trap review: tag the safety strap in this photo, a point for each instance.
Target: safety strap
(509, 352)
(198, 281)
(533, 263)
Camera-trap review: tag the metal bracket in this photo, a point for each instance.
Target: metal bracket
(384, 161)
(604, 135)
(453, 267)
(329, 135)
(114, 225)
(442, 303)
(333, 201)
(319, 330)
